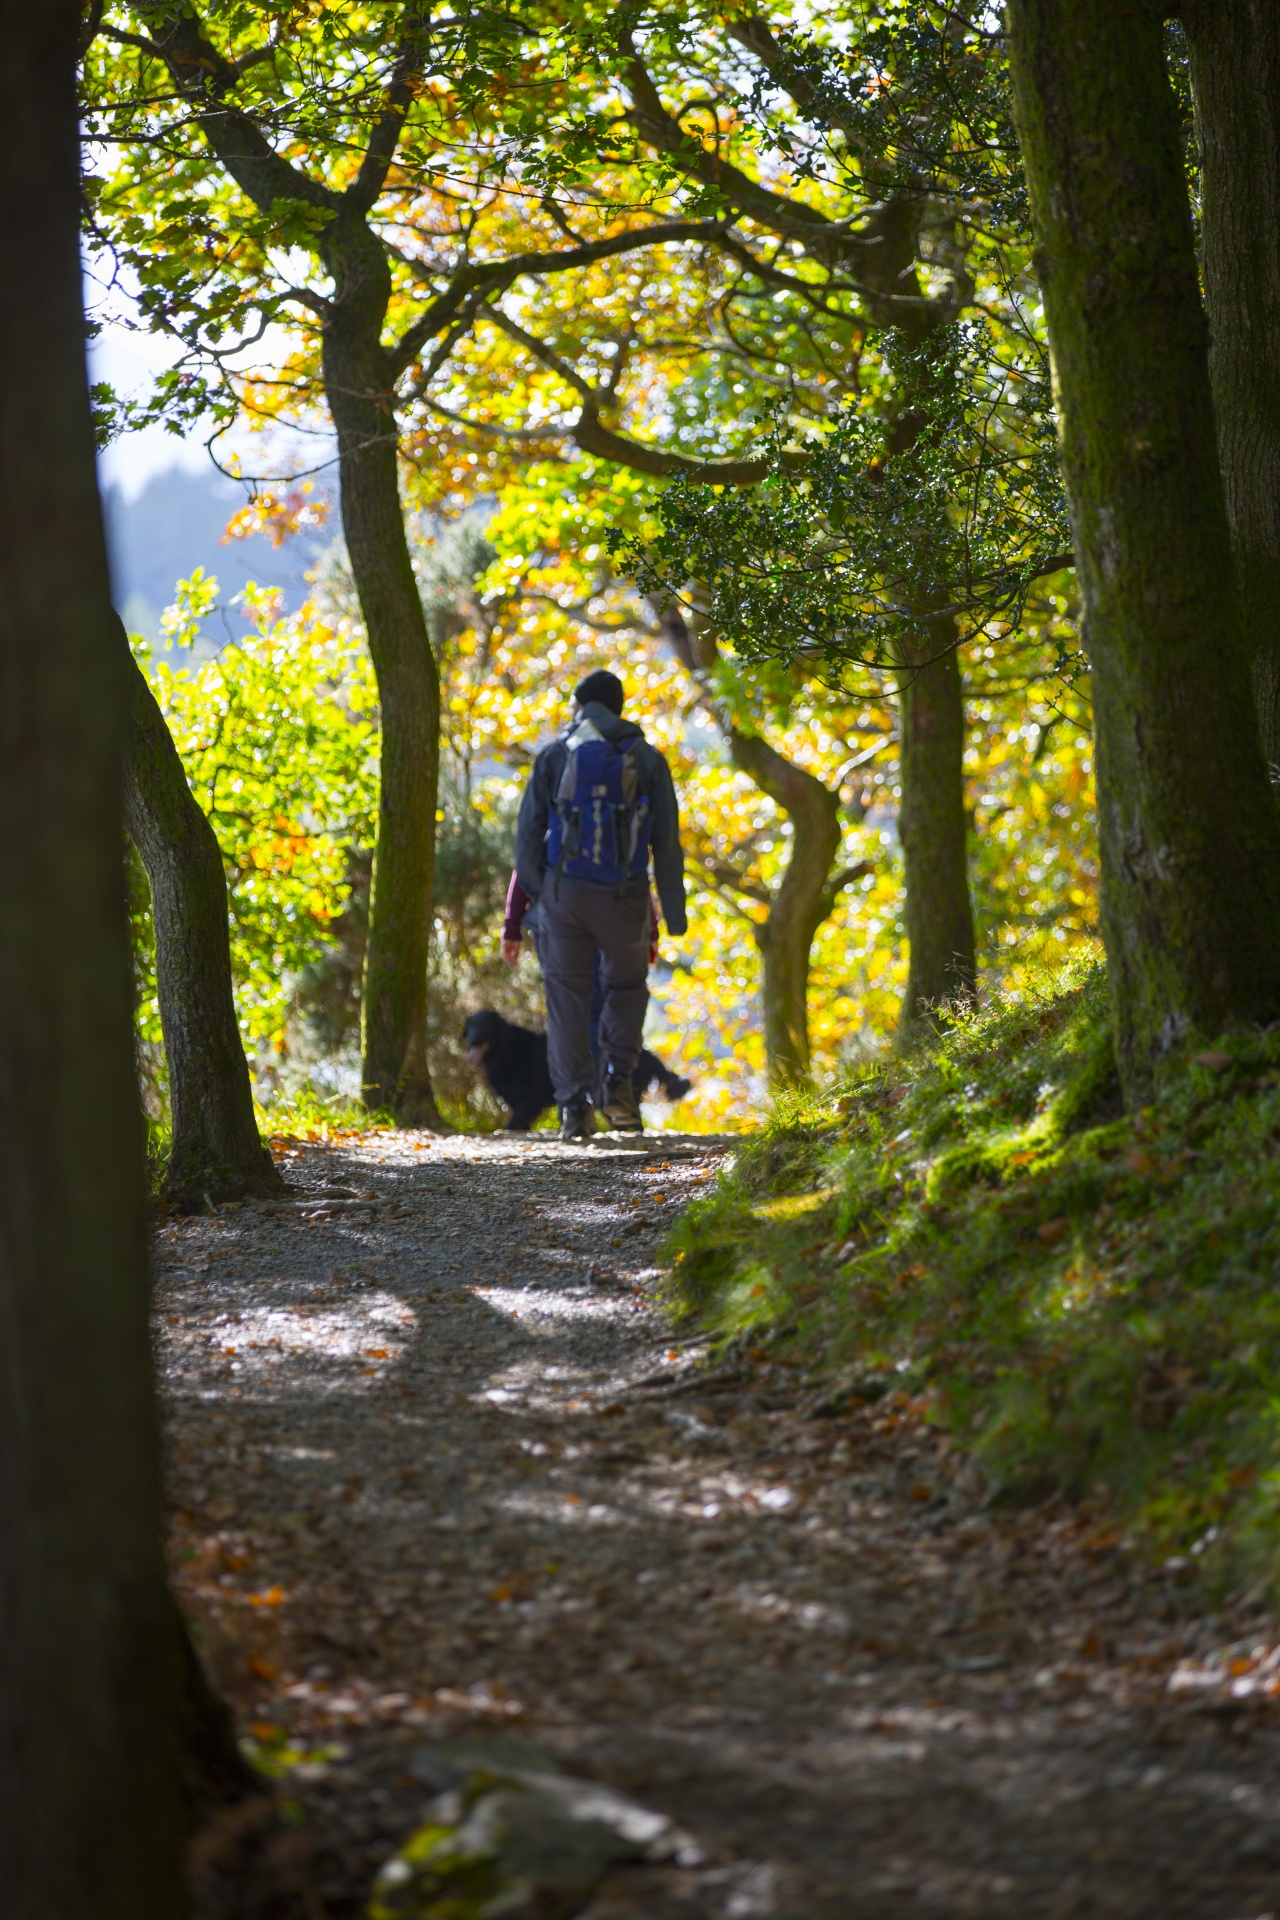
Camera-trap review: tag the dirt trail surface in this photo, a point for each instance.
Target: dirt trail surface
(437, 1466)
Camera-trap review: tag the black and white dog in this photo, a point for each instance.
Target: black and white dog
(514, 1060)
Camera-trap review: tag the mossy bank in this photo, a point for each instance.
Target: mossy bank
(1085, 1301)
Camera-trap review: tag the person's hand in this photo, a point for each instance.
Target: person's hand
(511, 952)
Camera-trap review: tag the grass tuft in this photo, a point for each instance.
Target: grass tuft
(1085, 1300)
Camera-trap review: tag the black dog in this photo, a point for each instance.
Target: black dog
(515, 1065)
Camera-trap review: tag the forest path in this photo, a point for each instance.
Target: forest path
(435, 1463)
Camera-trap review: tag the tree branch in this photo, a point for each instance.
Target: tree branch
(593, 437)
(491, 277)
(89, 27)
(722, 875)
(790, 787)
(204, 76)
(884, 240)
(757, 36)
(541, 352)
(662, 130)
(385, 136)
(840, 881)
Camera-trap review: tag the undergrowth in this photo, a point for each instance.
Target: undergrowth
(301, 1114)
(1085, 1300)
(304, 1113)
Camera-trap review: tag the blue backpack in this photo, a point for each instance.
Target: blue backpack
(600, 822)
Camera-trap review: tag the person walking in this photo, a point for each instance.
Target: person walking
(599, 802)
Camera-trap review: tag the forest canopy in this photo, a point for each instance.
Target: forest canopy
(713, 352)
(859, 428)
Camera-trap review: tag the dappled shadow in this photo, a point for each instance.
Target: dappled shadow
(437, 1463)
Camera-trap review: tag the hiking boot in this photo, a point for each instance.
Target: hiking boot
(621, 1108)
(577, 1119)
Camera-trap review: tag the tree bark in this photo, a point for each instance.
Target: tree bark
(1190, 843)
(807, 892)
(91, 1806)
(883, 248)
(216, 1152)
(359, 386)
(933, 830)
(1235, 74)
(804, 898)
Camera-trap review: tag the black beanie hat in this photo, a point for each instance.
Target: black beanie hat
(603, 687)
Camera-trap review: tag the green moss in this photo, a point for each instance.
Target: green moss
(1088, 1302)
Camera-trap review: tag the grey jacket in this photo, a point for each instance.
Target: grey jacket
(655, 775)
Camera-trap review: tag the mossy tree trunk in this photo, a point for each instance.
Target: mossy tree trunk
(882, 250)
(808, 890)
(1235, 71)
(359, 383)
(802, 900)
(216, 1153)
(1190, 843)
(933, 829)
(91, 1675)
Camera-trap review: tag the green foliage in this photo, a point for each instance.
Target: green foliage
(305, 1112)
(847, 550)
(278, 735)
(1086, 1301)
(916, 98)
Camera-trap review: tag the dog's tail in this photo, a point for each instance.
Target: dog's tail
(650, 1071)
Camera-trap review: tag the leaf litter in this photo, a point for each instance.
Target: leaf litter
(439, 1470)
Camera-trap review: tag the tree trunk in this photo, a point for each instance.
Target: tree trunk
(359, 387)
(91, 1803)
(1235, 72)
(804, 898)
(807, 892)
(216, 1151)
(933, 830)
(358, 384)
(1190, 843)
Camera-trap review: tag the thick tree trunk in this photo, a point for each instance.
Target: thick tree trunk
(933, 830)
(359, 385)
(1235, 71)
(1190, 843)
(883, 254)
(216, 1154)
(91, 1800)
(359, 388)
(805, 897)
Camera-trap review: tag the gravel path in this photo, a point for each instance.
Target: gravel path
(437, 1464)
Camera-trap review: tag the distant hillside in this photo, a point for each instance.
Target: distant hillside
(175, 525)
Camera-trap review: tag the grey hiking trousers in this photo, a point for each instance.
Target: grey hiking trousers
(575, 917)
